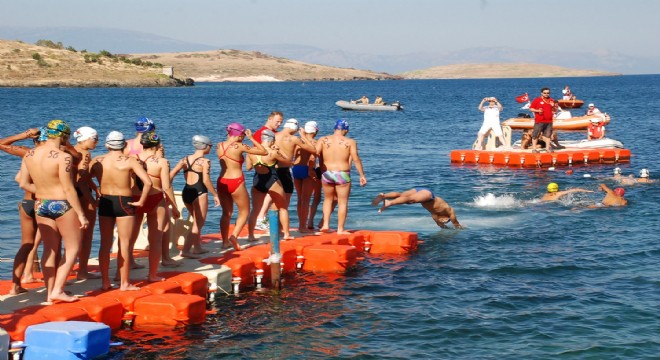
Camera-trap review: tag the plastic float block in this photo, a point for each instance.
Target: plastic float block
(105, 310)
(457, 156)
(319, 239)
(531, 160)
(516, 160)
(192, 283)
(169, 310)
(486, 158)
(358, 240)
(545, 159)
(576, 158)
(593, 157)
(4, 344)
(63, 340)
(58, 312)
(622, 155)
(163, 287)
(470, 157)
(126, 298)
(242, 268)
(500, 158)
(608, 156)
(329, 258)
(299, 245)
(560, 159)
(393, 242)
(16, 324)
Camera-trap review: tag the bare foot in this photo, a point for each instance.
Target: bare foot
(62, 297)
(107, 287)
(302, 230)
(190, 256)
(199, 251)
(386, 204)
(30, 280)
(88, 275)
(15, 290)
(377, 199)
(252, 239)
(169, 264)
(234, 241)
(129, 287)
(343, 232)
(287, 237)
(225, 246)
(155, 278)
(324, 230)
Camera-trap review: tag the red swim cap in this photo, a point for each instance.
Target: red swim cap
(569, 172)
(619, 191)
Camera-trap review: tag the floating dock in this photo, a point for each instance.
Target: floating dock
(529, 159)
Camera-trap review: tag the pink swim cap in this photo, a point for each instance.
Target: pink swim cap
(619, 191)
(235, 129)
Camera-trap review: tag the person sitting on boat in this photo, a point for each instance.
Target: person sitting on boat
(596, 129)
(363, 100)
(568, 95)
(554, 194)
(491, 121)
(526, 140)
(379, 101)
(592, 110)
(440, 211)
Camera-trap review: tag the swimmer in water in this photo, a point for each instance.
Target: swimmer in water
(554, 194)
(440, 211)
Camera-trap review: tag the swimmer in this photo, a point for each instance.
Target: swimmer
(623, 180)
(612, 197)
(554, 194)
(644, 177)
(46, 171)
(440, 211)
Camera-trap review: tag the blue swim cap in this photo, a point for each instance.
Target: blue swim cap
(57, 128)
(341, 124)
(43, 134)
(144, 124)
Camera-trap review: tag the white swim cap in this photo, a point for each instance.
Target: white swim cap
(311, 127)
(644, 173)
(617, 171)
(84, 133)
(291, 124)
(115, 140)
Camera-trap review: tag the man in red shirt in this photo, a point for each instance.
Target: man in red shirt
(543, 108)
(273, 123)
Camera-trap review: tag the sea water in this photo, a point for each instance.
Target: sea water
(523, 280)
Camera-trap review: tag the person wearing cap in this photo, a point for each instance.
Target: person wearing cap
(142, 125)
(491, 121)
(543, 108)
(273, 123)
(567, 93)
(554, 194)
(304, 175)
(592, 110)
(86, 140)
(26, 256)
(231, 182)
(336, 152)
(114, 172)
(159, 198)
(644, 177)
(195, 194)
(287, 141)
(46, 172)
(596, 129)
(612, 197)
(440, 211)
(266, 182)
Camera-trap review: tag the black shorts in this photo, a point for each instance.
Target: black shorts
(542, 128)
(116, 206)
(286, 179)
(263, 182)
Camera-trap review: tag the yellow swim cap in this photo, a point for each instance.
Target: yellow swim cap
(553, 187)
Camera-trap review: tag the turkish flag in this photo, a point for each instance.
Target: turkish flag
(522, 98)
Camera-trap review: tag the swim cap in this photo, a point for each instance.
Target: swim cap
(57, 128)
(595, 120)
(200, 142)
(43, 134)
(85, 133)
(644, 173)
(144, 124)
(235, 129)
(341, 124)
(617, 171)
(267, 135)
(553, 187)
(619, 191)
(115, 140)
(291, 124)
(149, 139)
(311, 127)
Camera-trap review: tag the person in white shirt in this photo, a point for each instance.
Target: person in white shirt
(491, 121)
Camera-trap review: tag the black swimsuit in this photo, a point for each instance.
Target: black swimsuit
(191, 192)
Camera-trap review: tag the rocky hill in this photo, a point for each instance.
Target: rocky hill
(235, 65)
(51, 65)
(499, 70)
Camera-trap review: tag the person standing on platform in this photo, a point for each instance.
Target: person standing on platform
(337, 152)
(273, 123)
(543, 108)
(491, 121)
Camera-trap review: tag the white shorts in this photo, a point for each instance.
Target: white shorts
(491, 124)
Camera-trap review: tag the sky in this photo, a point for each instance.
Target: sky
(386, 27)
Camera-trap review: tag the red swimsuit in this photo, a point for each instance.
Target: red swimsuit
(229, 185)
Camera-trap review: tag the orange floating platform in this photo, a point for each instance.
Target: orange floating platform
(527, 159)
(169, 310)
(329, 258)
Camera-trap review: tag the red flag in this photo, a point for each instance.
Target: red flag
(522, 98)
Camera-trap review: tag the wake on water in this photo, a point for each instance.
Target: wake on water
(498, 202)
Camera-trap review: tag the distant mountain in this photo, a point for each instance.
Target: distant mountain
(499, 71)
(116, 41)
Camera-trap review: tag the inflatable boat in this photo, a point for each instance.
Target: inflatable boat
(559, 123)
(347, 105)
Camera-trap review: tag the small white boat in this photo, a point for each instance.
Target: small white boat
(347, 105)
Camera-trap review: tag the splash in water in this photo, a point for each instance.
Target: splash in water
(497, 202)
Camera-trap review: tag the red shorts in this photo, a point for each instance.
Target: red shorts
(149, 204)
